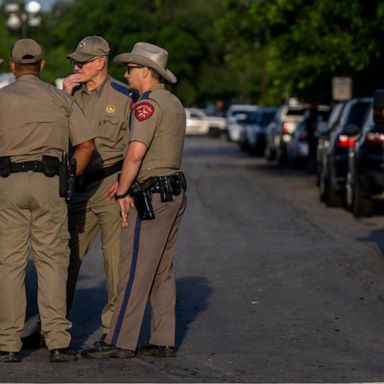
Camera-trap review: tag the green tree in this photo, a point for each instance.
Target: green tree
(301, 44)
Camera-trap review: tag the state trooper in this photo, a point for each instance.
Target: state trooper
(37, 122)
(151, 196)
(106, 104)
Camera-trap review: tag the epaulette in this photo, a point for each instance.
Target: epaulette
(145, 95)
(130, 92)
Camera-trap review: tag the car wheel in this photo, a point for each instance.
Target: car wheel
(281, 156)
(331, 197)
(214, 132)
(361, 206)
(321, 186)
(318, 173)
(269, 153)
(349, 190)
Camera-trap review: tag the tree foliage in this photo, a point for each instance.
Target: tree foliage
(259, 51)
(303, 44)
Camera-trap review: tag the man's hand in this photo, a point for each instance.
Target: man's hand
(125, 205)
(112, 191)
(71, 82)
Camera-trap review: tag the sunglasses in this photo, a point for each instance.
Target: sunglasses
(82, 63)
(130, 67)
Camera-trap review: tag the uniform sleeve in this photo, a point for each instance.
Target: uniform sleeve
(79, 128)
(145, 116)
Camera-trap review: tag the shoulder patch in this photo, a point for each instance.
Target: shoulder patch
(144, 111)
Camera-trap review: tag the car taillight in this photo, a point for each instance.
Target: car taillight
(375, 137)
(345, 141)
(285, 128)
(303, 136)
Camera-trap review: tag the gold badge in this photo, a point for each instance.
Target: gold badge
(110, 108)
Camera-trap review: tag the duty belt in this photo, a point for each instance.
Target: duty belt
(25, 166)
(100, 174)
(173, 184)
(49, 165)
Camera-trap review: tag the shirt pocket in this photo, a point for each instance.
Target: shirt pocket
(112, 128)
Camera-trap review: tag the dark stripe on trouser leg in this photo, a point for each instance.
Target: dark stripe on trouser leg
(131, 278)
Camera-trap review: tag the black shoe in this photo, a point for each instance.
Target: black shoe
(9, 357)
(33, 341)
(101, 342)
(61, 355)
(106, 351)
(156, 350)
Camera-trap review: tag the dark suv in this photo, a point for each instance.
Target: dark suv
(334, 155)
(365, 178)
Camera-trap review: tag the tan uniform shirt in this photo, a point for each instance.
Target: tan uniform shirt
(158, 121)
(38, 119)
(107, 110)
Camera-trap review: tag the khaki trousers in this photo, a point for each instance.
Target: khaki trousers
(33, 216)
(146, 272)
(91, 212)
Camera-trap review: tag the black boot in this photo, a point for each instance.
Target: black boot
(61, 355)
(9, 357)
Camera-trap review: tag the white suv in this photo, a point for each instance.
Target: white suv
(198, 123)
(235, 113)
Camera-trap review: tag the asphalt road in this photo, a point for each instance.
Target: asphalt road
(272, 286)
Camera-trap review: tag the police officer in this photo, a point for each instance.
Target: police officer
(37, 121)
(106, 105)
(151, 169)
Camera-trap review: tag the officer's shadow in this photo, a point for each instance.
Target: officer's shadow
(192, 299)
(85, 312)
(193, 293)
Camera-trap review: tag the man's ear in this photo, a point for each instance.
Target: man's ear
(12, 66)
(42, 64)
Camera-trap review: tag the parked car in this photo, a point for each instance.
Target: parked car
(365, 178)
(334, 160)
(6, 79)
(279, 132)
(301, 149)
(322, 133)
(236, 113)
(252, 137)
(198, 123)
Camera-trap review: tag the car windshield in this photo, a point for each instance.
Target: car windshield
(265, 117)
(240, 112)
(358, 113)
(252, 117)
(295, 112)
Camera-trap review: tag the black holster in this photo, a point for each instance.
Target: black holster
(143, 201)
(5, 166)
(63, 175)
(67, 177)
(49, 165)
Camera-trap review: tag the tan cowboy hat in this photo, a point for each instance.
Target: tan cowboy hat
(150, 56)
